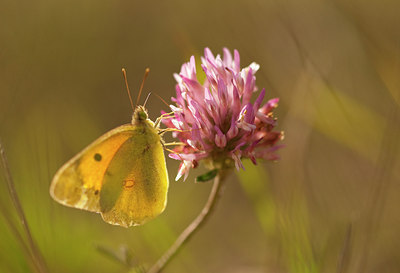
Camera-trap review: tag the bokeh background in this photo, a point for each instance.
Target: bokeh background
(331, 204)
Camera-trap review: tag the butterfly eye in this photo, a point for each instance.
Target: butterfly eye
(142, 115)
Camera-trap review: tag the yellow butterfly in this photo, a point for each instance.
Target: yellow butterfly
(122, 175)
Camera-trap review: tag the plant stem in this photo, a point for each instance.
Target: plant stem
(194, 226)
(36, 256)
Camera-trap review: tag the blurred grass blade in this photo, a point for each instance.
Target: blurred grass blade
(255, 182)
(14, 229)
(292, 223)
(36, 256)
(345, 120)
(295, 234)
(344, 257)
(123, 257)
(138, 269)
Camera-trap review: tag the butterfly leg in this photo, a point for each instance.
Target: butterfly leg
(174, 144)
(163, 116)
(163, 131)
(184, 162)
(172, 151)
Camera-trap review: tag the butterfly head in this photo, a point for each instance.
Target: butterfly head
(139, 115)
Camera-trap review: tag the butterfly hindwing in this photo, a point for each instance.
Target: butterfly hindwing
(78, 183)
(135, 183)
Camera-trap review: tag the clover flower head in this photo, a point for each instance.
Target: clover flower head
(216, 120)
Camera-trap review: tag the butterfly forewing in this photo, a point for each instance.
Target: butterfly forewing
(78, 183)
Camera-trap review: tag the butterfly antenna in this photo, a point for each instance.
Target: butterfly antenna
(147, 98)
(127, 88)
(158, 96)
(146, 73)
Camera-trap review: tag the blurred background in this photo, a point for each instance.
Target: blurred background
(331, 204)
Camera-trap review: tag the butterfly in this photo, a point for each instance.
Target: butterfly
(122, 175)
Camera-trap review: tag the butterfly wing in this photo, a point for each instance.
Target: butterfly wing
(79, 181)
(135, 184)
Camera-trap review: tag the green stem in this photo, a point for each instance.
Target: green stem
(36, 255)
(194, 226)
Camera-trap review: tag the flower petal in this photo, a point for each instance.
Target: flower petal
(236, 66)
(220, 138)
(233, 130)
(183, 170)
(260, 98)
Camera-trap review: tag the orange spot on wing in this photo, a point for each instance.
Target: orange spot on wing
(128, 183)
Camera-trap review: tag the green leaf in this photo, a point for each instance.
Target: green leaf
(207, 176)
